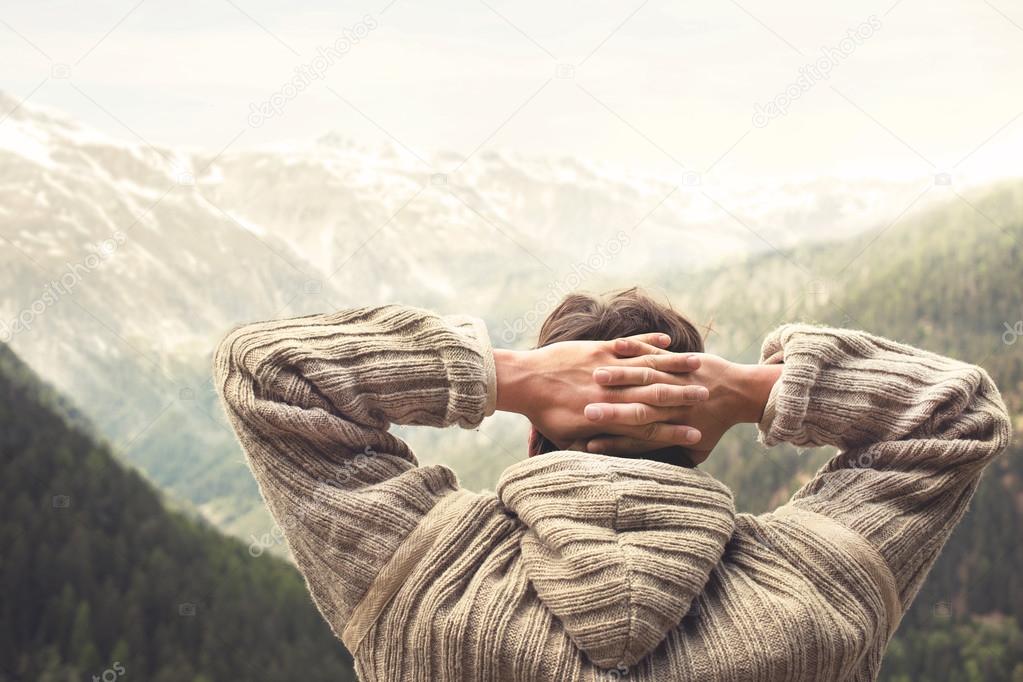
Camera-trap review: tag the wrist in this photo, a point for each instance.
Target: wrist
(753, 386)
(515, 375)
(759, 381)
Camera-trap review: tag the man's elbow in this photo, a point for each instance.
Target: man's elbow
(230, 370)
(995, 423)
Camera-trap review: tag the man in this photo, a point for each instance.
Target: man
(587, 566)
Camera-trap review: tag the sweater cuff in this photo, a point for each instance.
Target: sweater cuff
(489, 366)
(764, 426)
(777, 410)
(477, 331)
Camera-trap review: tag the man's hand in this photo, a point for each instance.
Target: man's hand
(551, 386)
(738, 394)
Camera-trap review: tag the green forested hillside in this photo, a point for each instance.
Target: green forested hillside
(949, 279)
(101, 582)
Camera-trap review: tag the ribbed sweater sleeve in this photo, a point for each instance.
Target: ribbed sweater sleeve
(914, 429)
(311, 400)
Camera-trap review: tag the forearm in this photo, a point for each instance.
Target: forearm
(851, 389)
(370, 367)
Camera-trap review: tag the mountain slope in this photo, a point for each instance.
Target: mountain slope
(949, 279)
(100, 580)
(122, 263)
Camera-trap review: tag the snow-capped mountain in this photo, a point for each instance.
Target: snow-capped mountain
(385, 224)
(123, 263)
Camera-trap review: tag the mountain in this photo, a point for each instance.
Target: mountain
(122, 263)
(100, 581)
(117, 278)
(256, 234)
(390, 227)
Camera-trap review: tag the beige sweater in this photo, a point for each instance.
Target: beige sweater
(585, 567)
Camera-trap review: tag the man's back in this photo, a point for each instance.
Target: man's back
(584, 566)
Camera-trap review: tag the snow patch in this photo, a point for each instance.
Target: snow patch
(254, 228)
(27, 142)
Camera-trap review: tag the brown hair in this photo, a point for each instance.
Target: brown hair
(585, 317)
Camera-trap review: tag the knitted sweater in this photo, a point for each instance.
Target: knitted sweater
(587, 567)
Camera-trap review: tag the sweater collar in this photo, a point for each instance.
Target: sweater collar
(617, 549)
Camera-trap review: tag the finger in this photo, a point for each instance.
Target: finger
(631, 347)
(621, 446)
(657, 431)
(630, 414)
(653, 338)
(660, 395)
(632, 376)
(666, 362)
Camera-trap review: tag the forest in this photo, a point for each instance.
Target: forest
(101, 581)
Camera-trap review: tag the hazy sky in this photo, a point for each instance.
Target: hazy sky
(664, 87)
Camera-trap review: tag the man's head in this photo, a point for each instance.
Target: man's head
(585, 317)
